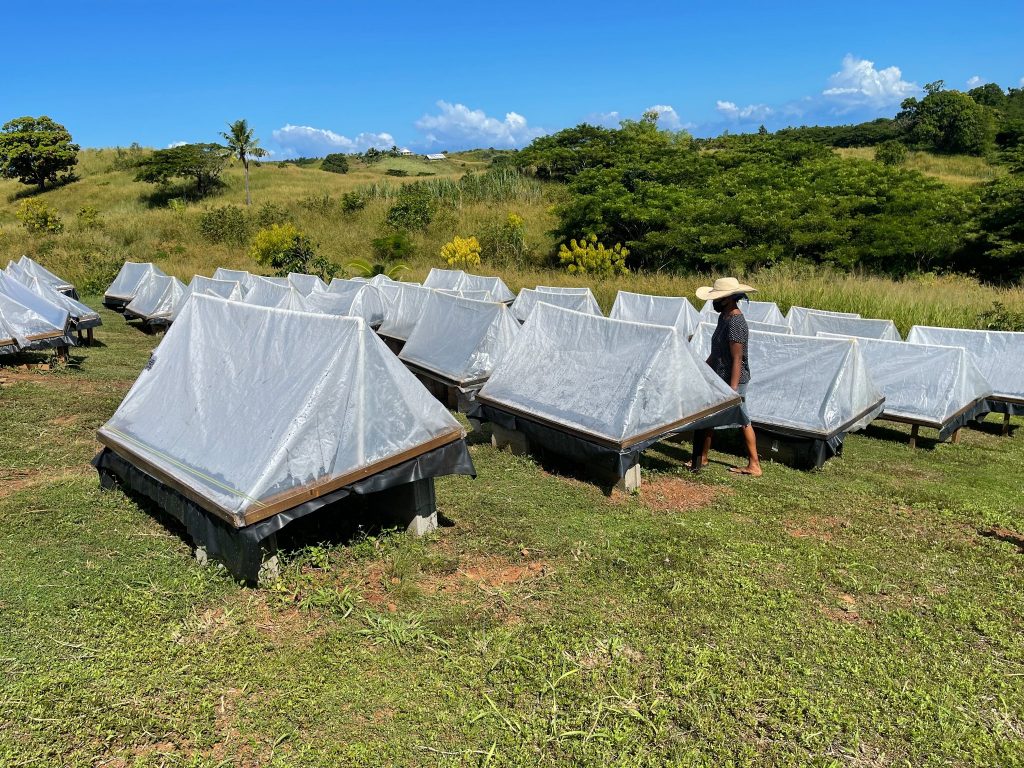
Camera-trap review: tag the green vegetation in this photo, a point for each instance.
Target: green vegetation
(241, 143)
(335, 163)
(37, 150)
(201, 163)
(852, 616)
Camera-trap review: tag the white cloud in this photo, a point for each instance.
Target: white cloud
(457, 126)
(306, 141)
(858, 84)
(667, 117)
(606, 119)
(974, 82)
(174, 144)
(750, 112)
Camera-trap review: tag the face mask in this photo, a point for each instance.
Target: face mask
(718, 305)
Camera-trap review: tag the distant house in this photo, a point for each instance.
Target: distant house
(405, 151)
(437, 156)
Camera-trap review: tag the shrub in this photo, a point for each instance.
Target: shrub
(335, 163)
(36, 216)
(1001, 318)
(318, 205)
(88, 218)
(226, 224)
(589, 257)
(414, 208)
(396, 172)
(270, 213)
(395, 246)
(891, 153)
(461, 252)
(505, 244)
(353, 201)
(284, 248)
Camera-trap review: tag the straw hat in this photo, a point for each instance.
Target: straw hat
(724, 286)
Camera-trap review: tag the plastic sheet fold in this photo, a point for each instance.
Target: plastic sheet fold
(128, 281)
(158, 299)
(404, 309)
(579, 301)
(676, 312)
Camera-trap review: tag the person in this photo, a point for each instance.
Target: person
(729, 360)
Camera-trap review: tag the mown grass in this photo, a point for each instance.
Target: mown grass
(959, 170)
(859, 615)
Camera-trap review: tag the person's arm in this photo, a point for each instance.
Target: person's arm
(736, 348)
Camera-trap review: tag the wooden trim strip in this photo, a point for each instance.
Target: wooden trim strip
(939, 425)
(285, 500)
(440, 377)
(602, 440)
(811, 434)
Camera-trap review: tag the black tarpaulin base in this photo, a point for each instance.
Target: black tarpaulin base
(977, 413)
(795, 452)
(242, 550)
(602, 459)
(1006, 408)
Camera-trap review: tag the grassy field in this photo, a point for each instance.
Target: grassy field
(868, 614)
(959, 170)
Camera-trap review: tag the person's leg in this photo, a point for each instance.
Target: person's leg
(753, 463)
(701, 447)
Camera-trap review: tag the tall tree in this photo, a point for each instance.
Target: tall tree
(35, 149)
(240, 141)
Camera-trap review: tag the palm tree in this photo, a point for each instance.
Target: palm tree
(243, 146)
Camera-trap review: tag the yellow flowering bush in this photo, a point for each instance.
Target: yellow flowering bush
(273, 242)
(587, 256)
(461, 252)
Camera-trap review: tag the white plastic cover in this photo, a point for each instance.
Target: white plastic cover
(457, 280)
(244, 406)
(444, 278)
(768, 327)
(23, 324)
(79, 312)
(306, 284)
(266, 293)
(814, 386)
(349, 298)
(240, 276)
(672, 311)
(868, 328)
(159, 298)
(756, 311)
(460, 339)
(562, 289)
(404, 311)
(226, 289)
(32, 268)
(54, 315)
(615, 380)
(922, 383)
(797, 318)
(130, 278)
(999, 354)
(467, 294)
(528, 299)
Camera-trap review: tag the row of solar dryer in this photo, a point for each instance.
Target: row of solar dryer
(39, 310)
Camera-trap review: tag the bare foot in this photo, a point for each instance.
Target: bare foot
(748, 470)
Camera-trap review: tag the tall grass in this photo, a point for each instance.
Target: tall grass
(960, 170)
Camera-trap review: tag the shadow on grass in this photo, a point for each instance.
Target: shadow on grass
(34, 191)
(924, 441)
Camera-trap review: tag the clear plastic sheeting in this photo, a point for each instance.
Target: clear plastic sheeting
(804, 385)
(266, 293)
(469, 286)
(460, 340)
(349, 298)
(82, 316)
(404, 311)
(923, 384)
(128, 281)
(529, 298)
(753, 325)
(158, 299)
(756, 311)
(998, 354)
(240, 276)
(868, 328)
(31, 268)
(55, 317)
(616, 381)
(797, 318)
(675, 312)
(462, 294)
(306, 284)
(563, 289)
(226, 289)
(24, 325)
(247, 412)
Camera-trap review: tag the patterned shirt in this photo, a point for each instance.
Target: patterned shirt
(730, 328)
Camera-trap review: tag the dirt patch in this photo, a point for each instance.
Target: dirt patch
(816, 527)
(14, 480)
(675, 494)
(495, 572)
(1006, 535)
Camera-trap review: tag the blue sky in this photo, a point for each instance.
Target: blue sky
(331, 76)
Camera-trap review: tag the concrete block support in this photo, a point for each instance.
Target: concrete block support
(630, 481)
(412, 505)
(515, 441)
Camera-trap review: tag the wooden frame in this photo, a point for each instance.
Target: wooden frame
(423, 370)
(282, 501)
(811, 435)
(602, 440)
